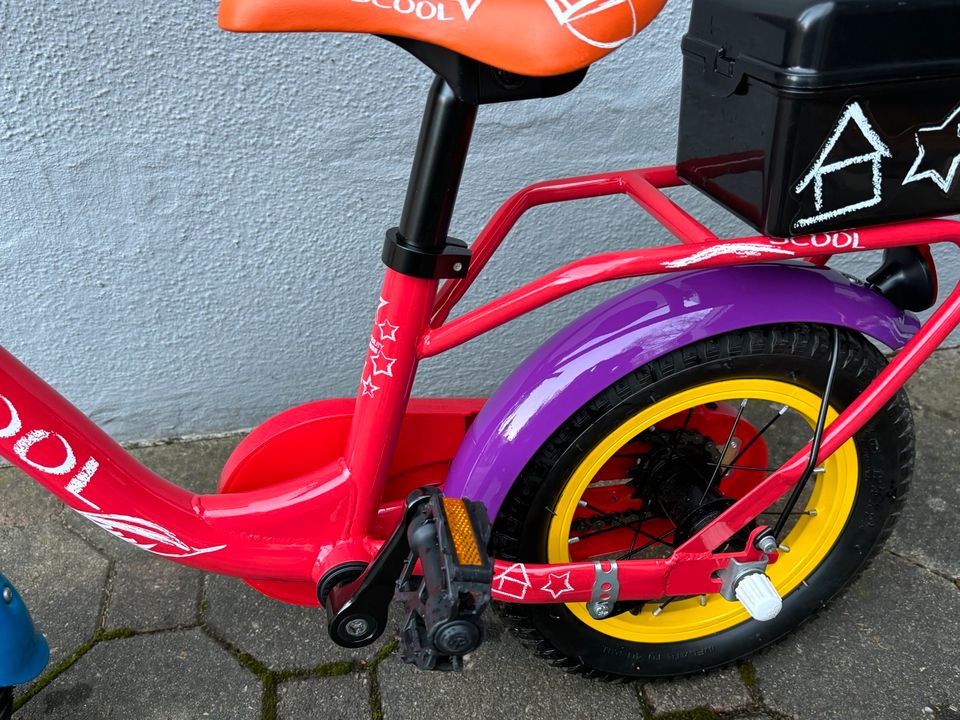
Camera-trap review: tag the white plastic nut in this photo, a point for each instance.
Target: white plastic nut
(759, 597)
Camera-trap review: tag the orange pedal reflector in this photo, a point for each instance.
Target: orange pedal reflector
(461, 530)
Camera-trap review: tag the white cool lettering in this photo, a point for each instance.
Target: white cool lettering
(422, 9)
(13, 427)
(25, 442)
(23, 445)
(838, 241)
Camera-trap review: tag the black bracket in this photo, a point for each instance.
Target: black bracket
(451, 262)
(357, 600)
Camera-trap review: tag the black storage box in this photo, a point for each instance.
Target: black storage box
(805, 117)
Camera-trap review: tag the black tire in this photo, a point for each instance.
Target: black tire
(6, 703)
(798, 354)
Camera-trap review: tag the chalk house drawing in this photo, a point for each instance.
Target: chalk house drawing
(513, 582)
(951, 127)
(852, 120)
(568, 14)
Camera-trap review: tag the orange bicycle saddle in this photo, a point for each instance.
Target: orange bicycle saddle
(527, 37)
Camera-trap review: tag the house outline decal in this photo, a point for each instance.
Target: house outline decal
(852, 114)
(568, 12)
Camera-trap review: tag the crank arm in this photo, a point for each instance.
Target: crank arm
(357, 608)
(436, 564)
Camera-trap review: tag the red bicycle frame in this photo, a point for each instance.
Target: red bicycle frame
(291, 532)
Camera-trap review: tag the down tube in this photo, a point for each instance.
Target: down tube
(59, 447)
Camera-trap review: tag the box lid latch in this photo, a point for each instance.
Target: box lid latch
(722, 65)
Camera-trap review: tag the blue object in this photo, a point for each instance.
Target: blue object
(23, 651)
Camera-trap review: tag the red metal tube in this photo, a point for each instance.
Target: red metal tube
(635, 263)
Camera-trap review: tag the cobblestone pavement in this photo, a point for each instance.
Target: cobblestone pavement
(133, 636)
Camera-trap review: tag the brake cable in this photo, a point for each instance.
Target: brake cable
(817, 437)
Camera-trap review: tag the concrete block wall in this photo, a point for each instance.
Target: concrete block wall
(191, 221)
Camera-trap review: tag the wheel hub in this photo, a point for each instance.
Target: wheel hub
(678, 480)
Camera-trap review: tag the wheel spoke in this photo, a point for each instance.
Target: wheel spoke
(683, 428)
(745, 467)
(656, 541)
(780, 413)
(726, 449)
(811, 513)
(619, 523)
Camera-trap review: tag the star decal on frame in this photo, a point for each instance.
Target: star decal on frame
(942, 136)
(382, 364)
(383, 304)
(558, 584)
(388, 331)
(369, 389)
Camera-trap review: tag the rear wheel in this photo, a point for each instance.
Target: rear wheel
(6, 703)
(662, 452)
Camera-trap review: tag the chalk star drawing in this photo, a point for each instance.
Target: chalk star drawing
(382, 364)
(369, 389)
(513, 582)
(147, 535)
(568, 13)
(558, 584)
(383, 304)
(388, 331)
(853, 116)
(952, 127)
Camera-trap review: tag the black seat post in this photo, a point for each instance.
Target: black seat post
(445, 134)
(420, 246)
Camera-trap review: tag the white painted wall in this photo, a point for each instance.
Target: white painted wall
(191, 221)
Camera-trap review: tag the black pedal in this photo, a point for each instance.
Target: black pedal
(444, 605)
(448, 538)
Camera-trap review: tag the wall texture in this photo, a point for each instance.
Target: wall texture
(190, 221)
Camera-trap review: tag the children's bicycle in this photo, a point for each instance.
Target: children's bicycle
(677, 479)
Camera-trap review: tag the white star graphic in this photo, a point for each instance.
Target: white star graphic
(383, 304)
(369, 389)
(382, 364)
(558, 584)
(388, 331)
(944, 183)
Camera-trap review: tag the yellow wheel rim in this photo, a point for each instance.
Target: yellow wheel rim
(809, 540)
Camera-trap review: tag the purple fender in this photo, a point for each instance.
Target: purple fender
(641, 325)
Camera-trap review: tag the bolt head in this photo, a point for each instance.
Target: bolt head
(7, 594)
(458, 267)
(601, 609)
(767, 545)
(358, 627)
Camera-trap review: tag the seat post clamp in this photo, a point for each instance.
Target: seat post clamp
(452, 261)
